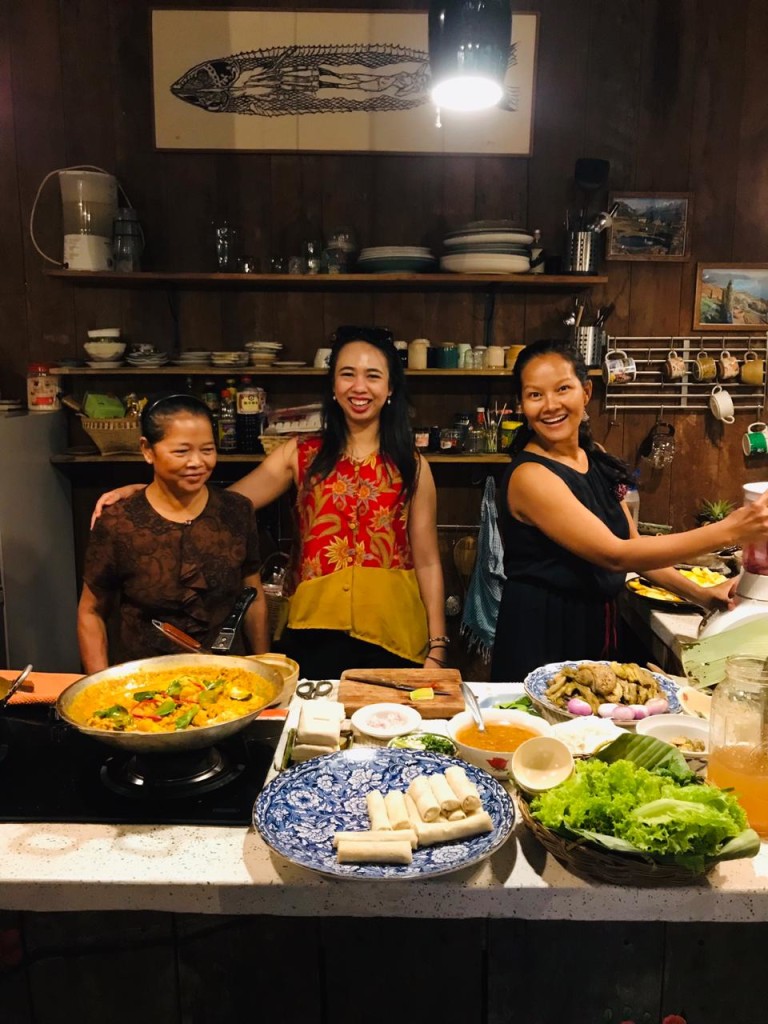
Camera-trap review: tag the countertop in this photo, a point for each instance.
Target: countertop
(216, 870)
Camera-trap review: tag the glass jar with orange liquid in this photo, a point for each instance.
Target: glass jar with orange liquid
(738, 737)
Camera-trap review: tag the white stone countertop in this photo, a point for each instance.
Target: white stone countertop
(217, 870)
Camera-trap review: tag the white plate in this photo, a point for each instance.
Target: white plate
(460, 238)
(481, 263)
(374, 720)
(289, 364)
(103, 364)
(395, 250)
(298, 813)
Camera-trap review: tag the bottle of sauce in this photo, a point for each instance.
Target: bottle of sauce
(227, 422)
(250, 416)
(211, 397)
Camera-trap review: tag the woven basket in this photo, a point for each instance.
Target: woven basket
(116, 436)
(602, 865)
(270, 442)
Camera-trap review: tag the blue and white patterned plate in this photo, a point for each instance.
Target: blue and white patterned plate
(536, 683)
(298, 813)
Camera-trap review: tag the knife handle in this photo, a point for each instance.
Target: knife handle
(177, 635)
(232, 621)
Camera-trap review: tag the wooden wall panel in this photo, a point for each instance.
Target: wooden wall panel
(671, 94)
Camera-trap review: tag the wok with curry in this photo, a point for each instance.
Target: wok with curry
(170, 702)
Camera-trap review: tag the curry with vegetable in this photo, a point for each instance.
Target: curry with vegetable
(170, 701)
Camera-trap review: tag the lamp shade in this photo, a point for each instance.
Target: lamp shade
(468, 52)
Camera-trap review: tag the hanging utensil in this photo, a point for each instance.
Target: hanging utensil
(17, 682)
(474, 708)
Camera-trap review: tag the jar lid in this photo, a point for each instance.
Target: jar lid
(38, 367)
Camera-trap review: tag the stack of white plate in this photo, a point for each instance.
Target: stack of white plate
(194, 357)
(263, 353)
(229, 359)
(146, 359)
(488, 247)
(394, 259)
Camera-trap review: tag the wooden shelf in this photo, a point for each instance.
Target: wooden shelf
(68, 460)
(334, 282)
(250, 371)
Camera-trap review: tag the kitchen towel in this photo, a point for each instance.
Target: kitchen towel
(47, 686)
(481, 609)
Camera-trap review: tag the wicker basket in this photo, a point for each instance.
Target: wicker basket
(115, 436)
(602, 865)
(270, 442)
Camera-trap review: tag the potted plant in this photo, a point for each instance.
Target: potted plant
(714, 511)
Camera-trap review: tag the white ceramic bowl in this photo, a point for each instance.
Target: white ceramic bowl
(108, 333)
(669, 727)
(104, 350)
(497, 762)
(385, 721)
(541, 763)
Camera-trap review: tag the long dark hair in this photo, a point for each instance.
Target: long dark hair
(613, 468)
(395, 434)
(156, 414)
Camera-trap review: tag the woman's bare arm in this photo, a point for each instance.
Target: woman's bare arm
(538, 497)
(422, 533)
(255, 621)
(92, 614)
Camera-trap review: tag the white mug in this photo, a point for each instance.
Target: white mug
(322, 359)
(721, 405)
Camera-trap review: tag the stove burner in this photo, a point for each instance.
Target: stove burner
(169, 776)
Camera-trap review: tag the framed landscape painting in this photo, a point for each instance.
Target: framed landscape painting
(323, 81)
(650, 226)
(731, 297)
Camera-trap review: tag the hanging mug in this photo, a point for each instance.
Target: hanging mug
(755, 441)
(728, 366)
(618, 367)
(704, 368)
(721, 405)
(674, 366)
(753, 370)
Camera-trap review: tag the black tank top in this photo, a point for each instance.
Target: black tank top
(532, 556)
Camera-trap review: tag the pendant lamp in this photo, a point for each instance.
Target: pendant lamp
(468, 52)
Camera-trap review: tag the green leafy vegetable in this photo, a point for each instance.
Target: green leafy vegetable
(166, 708)
(627, 808)
(117, 714)
(141, 695)
(523, 703)
(187, 717)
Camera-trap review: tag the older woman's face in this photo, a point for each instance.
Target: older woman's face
(361, 382)
(185, 457)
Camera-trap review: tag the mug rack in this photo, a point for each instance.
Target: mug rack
(652, 391)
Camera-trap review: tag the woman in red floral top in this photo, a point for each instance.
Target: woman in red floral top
(369, 590)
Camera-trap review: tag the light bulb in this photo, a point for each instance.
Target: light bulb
(466, 93)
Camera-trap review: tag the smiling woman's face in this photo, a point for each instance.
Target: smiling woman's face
(553, 398)
(361, 382)
(184, 458)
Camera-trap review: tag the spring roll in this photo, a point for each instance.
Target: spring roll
(465, 790)
(445, 831)
(377, 811)
(457, 815)
(444, 794)
(397, 812)
(349, 852)
(413, 813)
(422, 795)
(400, 836)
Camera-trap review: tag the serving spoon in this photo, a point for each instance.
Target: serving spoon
(17, 682)
(474, 708)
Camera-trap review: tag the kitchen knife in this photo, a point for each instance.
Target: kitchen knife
(226, 634)
(395, 686)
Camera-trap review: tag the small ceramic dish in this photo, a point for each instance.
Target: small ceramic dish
(541, 763)
(695, 702)
(434, 742)
(496, 762)
(676, 729)
(385, 721)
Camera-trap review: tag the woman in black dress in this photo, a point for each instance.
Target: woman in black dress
(569, 539)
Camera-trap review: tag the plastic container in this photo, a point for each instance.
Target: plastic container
(43, 388)
(632, 498)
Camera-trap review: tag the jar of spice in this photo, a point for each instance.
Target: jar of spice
(43, 388)
(451, 440)
(421, 438)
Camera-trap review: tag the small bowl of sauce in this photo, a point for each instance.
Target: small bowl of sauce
(493, 749)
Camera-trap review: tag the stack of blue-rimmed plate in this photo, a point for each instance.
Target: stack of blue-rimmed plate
(396, 259)
(147, 359)
(488, 247)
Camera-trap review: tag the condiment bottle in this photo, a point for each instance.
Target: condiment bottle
(250, 410)
(42, 388)
(227, 422)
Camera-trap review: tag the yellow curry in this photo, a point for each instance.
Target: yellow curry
(172, 700)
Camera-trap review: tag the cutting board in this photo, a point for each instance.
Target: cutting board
(357, 695)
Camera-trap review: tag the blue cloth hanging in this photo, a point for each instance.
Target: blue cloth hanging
(481, 608)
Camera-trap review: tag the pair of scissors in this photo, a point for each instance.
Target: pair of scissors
(310, 689)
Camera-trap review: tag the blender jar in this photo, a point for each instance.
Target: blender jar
(755, 555)
(738, 737)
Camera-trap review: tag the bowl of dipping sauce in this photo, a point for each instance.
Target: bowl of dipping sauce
(505, 730)
(541, 763)
(689, 735)
(385, 721)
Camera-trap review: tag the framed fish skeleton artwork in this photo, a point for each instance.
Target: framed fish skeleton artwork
(323, 81)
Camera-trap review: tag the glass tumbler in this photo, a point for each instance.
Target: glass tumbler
(738, 736)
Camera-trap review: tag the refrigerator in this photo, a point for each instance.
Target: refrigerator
(38, 586)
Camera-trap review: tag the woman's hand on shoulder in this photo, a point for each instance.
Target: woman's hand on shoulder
(112, 497)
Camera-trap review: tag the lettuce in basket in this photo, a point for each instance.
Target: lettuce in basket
(640, 798)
